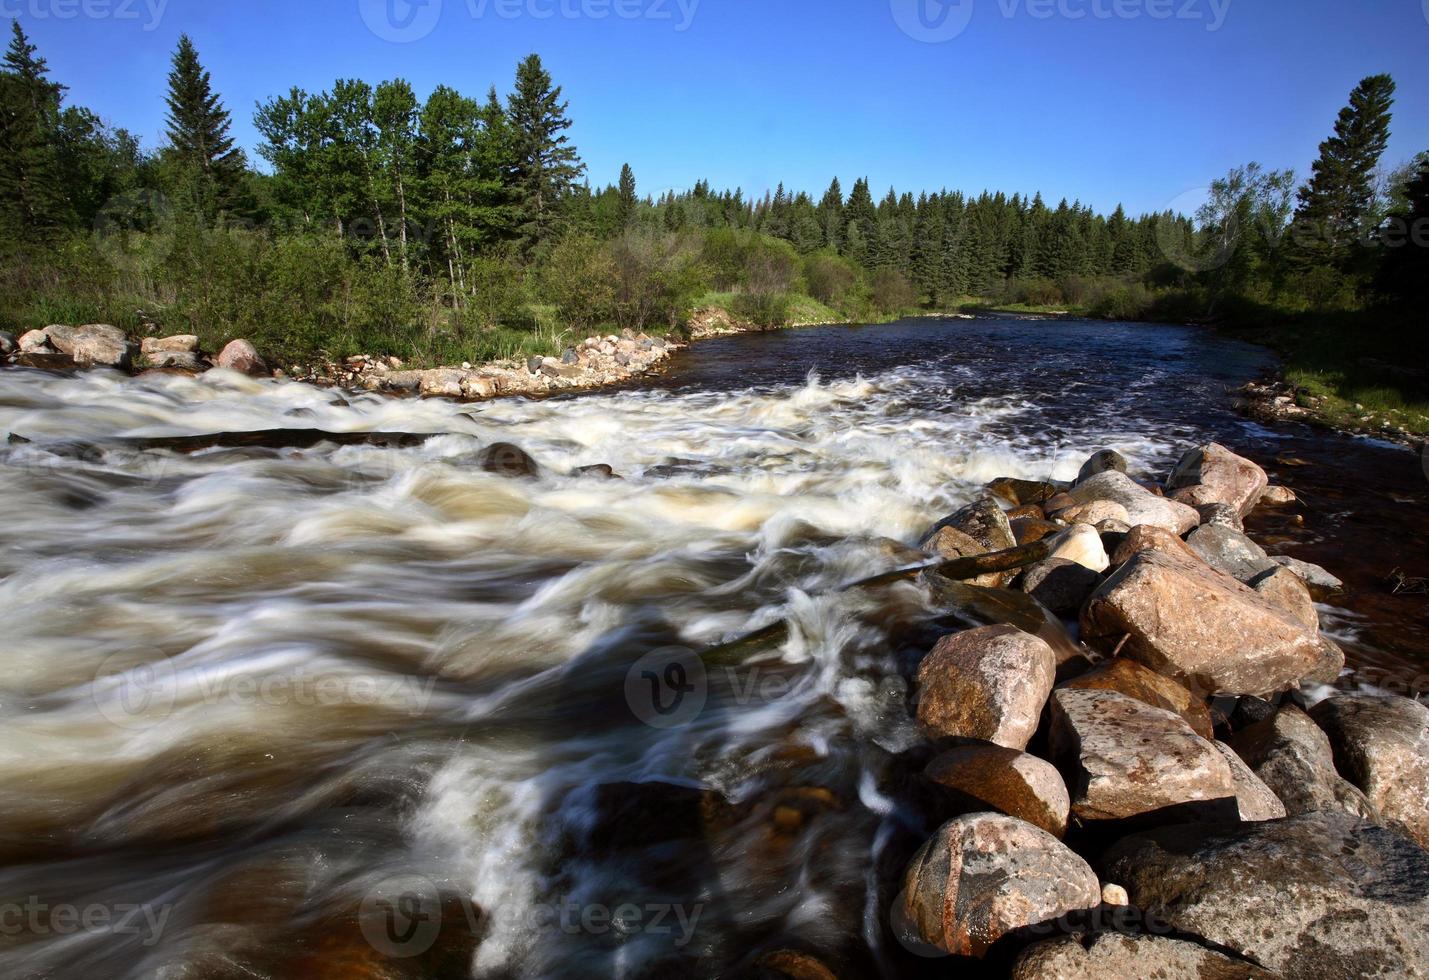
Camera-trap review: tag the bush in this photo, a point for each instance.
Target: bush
(762, 309)
(579, 280)
(892, 292)
(829, 278)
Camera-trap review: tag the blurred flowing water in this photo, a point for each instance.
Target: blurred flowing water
(364, 711)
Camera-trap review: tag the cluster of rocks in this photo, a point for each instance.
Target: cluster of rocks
(1278, 401)
(592, 363)
(1159, 797)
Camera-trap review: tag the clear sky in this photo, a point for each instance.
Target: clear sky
(1141, 102)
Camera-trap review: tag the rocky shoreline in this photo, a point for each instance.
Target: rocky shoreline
(1152, 783)
(1275, 400)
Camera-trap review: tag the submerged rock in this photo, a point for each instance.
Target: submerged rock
(988, 683)
(1223, 476)
(1006, 780)
(504, 459)
(1381, 744)
(1320, 896)
(1124, 759)
(984, 876)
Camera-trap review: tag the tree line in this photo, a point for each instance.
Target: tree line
(459, 228)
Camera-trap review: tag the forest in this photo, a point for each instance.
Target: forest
(461, 228)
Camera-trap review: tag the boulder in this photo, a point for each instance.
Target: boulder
(43, 360)
(1102, 461)
(1060, 585)
(1254, 800)
(1288, 591)
(442, 383)
(1136, 681)
(1083, 545)
(1381, 744)
(178, 344)
(1114, 956)
(176, 360)
(241, 356)
(1095, 512)
(988, 683)
(93, 344)
(34, 340)
(8, 343)
(1029, 529)
(1214, 635)
(1229, 551)
(1221, 515)
(1228, 478)
(976, 529)
(1320, 896)
(1006, 780)
(1278, 496)
(403, 381)
(477, 386)
(1023, 512)
(1124, 759)
(1292, 756)
(1022, 492)
(504, 459)
(1321, 582)
(1142, 506)
(984, 876)
(1145, 537)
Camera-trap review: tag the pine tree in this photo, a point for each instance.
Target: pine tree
(23, 59)
(546, 165)
(31, 194)
(627, 196)
(209, 165)
(831, 215)
(1337, 202)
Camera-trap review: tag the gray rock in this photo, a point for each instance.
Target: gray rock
(1124, 759)
(1320, 896)
(1061, 585)
(176, 360)
(989, 683)
(1255, 801)
(1313, 575)
(1229, 551)
(1221, 515)
(985, 875)
(1292, 756)
(568, 356)
(533, 364)
(1113, 956)
(504, 459)
(96, 344)
(1142, 506)
(1102, 461)
(8, 343)
(1381, 744)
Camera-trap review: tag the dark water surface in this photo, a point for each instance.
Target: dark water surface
(373, 712)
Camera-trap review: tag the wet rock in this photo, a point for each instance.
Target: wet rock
(1145, 685)
(984, 876)
(1220, 515)
(8, 343)
(1113, 956)
(643, 814)
(601, 470)
(795, 965)
(43, 360)
(1229, 551)
(1286, 589)
(1124, 759)
(1206, 630)
(241, 356)
(1292, 756)
(1083, 545)
(988, 683)
(1226, 477)
(1320, 896)
(1033, 511)
(1060, 585)
(1278, 496)
(504, 459)
(1095, 512)
(1321, 582)
(1381, 744)
(1028, 529)
(93, 344)
(976, 529)
(1142, 506)
(1254, 800)
(1022, 492)
(177, 344)
(1102, 461)
(176, 361)
(1006, 780)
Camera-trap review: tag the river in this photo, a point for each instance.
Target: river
(374, 711)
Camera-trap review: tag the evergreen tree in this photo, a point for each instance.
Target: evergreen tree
(210, 166)
(1405, 275)
(627, 196)
(31, 192)
(831, 215)
(22, 58)
(1337, 202)
(860, 223)
(545, 165)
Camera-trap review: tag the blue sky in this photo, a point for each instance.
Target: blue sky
(1135, 101)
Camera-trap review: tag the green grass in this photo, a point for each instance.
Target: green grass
(806, 309)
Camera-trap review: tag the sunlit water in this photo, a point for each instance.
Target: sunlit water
(256, 700)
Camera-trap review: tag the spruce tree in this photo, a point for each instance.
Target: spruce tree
(1334, 207)
(210, 166)
(831, 215)
(626, 200)
(546, 165)
(31, 195)
(22, 58)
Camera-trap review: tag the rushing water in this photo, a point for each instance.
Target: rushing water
(372, 711)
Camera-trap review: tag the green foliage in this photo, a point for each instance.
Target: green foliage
(203, 152)
(762, 309)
